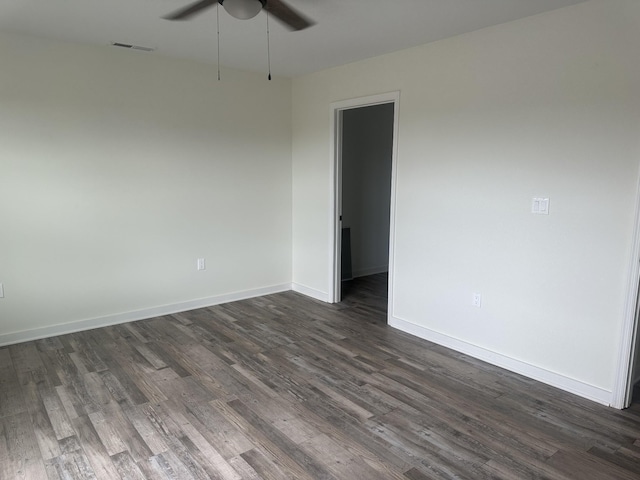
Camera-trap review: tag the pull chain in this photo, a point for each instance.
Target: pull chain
(268, 43)
(218, 26)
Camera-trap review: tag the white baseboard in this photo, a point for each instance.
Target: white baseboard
(44, 332)
(557, 380)
(363, 272)
(310, 292)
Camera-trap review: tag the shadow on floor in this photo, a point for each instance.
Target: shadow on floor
(368, 293)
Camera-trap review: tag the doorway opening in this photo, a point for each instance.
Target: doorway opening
(633, 388)
(627, 377)
(364, 143)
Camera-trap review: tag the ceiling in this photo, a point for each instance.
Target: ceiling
(346, 30)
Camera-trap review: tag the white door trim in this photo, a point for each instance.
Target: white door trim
(622, 386)
(335, 190)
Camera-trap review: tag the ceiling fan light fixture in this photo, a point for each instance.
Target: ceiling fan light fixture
(243, 9)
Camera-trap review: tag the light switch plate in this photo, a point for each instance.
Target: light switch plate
(540, 206)
(1, 291)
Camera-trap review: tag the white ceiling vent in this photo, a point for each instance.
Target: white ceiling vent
(133, 47)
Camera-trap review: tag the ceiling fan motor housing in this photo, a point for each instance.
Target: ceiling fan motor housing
(243, 9)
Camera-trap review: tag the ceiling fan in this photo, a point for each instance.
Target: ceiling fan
(245, 9)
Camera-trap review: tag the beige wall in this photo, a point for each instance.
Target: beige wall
(547, 106)
(119, 169)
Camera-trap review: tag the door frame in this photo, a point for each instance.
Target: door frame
(622, 386)
(335, 189)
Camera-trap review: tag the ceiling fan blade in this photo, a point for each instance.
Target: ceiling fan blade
(287, 15)
(190, 10)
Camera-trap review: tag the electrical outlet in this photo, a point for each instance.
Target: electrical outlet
(1, 291)
(201, 265)
(477, 300)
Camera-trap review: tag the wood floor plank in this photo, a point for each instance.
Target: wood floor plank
(288, 387)
(109, 435)
(246, 471)
(57, 414)
(94, 449)
(623, 457)
(29, 366)
(579, 464)
(128, 469)
(72, 462)
(150, 428)
(264, 467)
(214, 466)
(6, 466)
(188, 442)
(352, 434)
(281, 449)
(170, 467)
(12, 399)
(41, 423)
(416, 474)
(21, 455)
(458, 415)
(229, 440)
(130, 381)
(84, 346)
(5, 357)
(342, 462)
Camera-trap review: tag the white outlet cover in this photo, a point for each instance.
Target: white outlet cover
(477, 300)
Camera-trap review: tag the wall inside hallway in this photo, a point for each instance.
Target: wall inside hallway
(366, 185)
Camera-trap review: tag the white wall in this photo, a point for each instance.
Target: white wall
(545, 106)
(119, 169)
(367, 144)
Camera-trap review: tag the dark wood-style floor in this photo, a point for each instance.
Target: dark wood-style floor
(285, 387)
